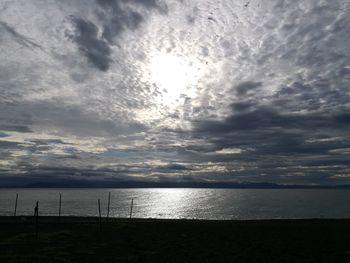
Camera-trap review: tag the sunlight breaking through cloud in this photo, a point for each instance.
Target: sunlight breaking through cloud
(114, 88)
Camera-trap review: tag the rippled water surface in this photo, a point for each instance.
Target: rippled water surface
(183, 203)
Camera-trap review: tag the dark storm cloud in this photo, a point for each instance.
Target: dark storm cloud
(245, 87)
(274, 130)
(299, 110)
(269, 118)
(9, 145)
(94, 48)
(115, 17)
(292, 138)
(242, 106)
(171, 167)
(311, 97)
(115, 4)
(330, 163)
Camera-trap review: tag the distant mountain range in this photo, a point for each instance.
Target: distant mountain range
(143, 184)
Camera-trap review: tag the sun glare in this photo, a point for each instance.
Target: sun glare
(173, 75)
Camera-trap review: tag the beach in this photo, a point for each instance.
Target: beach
(83, 239)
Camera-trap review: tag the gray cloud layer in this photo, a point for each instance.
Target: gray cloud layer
(93, 89)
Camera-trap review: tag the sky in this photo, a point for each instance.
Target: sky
(175, 91)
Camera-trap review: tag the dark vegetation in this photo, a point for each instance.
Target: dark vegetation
(174, 241)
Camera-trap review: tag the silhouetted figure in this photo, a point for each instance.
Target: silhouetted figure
(36, 209)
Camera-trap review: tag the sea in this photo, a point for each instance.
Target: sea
(178, 203)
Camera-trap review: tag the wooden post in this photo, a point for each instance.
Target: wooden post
(109, 202)
(99, 212)
(132, 203)
(36, 214)
(14, 214)
(59, 209)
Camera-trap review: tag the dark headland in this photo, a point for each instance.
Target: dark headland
(80, 239)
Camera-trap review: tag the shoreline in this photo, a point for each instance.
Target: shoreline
(83, 239)
(94, 219)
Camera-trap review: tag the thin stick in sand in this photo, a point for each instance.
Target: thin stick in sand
(36, 215)
(59, 209)
(14, 214)
(109, 202)
(132, 203)
(99, 213)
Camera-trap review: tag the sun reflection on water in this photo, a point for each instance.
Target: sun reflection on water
(171, 203)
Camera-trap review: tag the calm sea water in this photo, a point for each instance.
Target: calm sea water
(183, 203)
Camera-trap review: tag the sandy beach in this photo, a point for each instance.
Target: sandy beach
(80, 239)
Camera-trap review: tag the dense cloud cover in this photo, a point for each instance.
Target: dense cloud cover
(175, 91)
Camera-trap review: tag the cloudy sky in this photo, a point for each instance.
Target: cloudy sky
(175, 91)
